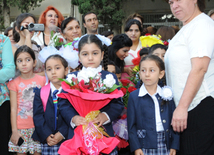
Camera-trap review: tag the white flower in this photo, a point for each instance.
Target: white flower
(167, 93)
(70, 76)
(109, 81)
(82, 75)
(90, 72)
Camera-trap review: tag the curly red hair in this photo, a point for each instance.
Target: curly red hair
(42, 19)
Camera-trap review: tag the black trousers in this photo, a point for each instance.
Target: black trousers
(5, 127)
(198, 138)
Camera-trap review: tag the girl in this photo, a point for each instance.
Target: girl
(149, 113)
(21, 97)
(159, 50)
(50, 128)
(90, 55)
(22, 22)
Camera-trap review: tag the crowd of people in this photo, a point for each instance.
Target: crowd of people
(170, 111)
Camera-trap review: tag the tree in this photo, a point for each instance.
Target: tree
(109, 12)
(23, 5)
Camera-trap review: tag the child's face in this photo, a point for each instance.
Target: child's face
(123, 53)
(90, 55)
(111, 68)
(150, 73)
(160, 53)
(55, 70)
(118, 76)
(25, 63)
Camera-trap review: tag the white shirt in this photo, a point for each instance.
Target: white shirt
(196, 39)
(132, 54)
(143, 92)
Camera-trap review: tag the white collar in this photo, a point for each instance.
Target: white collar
(95, 70)
(53, 89)
(143, 91)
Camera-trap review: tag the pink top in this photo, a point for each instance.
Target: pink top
(25, 96)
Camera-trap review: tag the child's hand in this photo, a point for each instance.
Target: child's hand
(172, 152)
(100, 119)
(50, 140)
(138, 152)
(15, 137)
(79, 120)
(58, 137)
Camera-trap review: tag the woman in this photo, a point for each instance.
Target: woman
(9, 33)
(71, 29)
(25, 39)
(52, 19)
(133, 29)
(189, 63)
(119, 49)
(7, 71)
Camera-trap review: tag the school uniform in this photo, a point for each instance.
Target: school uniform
(143, 123)
(45, 121)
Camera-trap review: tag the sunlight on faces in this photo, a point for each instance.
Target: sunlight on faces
(123, 53)
(91, 23)
(150, 73)
(91, 55)
(160, 53)
(25, 63)
(183, 9)
(111, 68)
(72, 31)
(55, 70)
(51, 18)
(133, 32)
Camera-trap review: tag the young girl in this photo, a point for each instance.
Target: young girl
(159, 50)
(149, 113)
(21, 97)
(90, 55)
(50, 128)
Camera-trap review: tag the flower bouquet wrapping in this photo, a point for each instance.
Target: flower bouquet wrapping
(149, 40)
(88, 93)
(120, 125)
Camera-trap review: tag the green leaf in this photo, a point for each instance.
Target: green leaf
(112, 88)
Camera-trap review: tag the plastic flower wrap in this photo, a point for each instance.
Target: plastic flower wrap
(56, 40)
(88, 93)
(148, 41)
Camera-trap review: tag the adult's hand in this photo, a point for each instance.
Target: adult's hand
(179, 119)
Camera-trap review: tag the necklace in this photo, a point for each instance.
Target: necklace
(47, 34)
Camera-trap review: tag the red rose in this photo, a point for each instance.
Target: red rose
(165, 43)
(125, 82)
(124, 90)
(131, 89)
(60, 40)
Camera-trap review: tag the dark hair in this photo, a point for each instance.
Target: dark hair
(166, 32)
(132, 16)
(88, 13)
(107, 33)
(16, 36)
(156, 46)
(66, 21)
(132, 22)
(57, 56)
(7, 30)
(117, 69)
(144, 50)
(211, 12)
(23, 49)
(118, 42)
(22, 17)
(91, 38)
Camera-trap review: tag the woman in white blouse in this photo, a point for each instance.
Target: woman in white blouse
(189, 63)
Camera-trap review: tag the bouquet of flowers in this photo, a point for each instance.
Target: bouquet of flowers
(88, 93)
(56, 40)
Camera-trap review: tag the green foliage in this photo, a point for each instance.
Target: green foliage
(109, 12)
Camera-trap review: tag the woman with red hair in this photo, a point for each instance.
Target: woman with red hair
(52, 19)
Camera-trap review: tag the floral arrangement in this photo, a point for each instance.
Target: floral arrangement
(149, 40)
(90, 80)
(126, 88)
(166, 93)
(56, 40)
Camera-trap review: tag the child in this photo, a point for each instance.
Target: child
(159, 50)
(149, 113)
(21, 97)
(90, 55)
(144, 52)
(50, 128)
